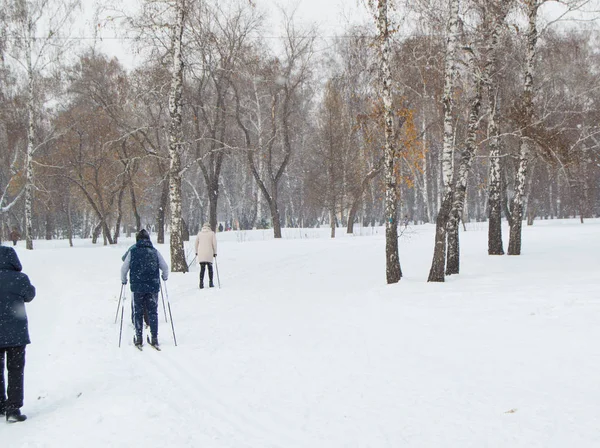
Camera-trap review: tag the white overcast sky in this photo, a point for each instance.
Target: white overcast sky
(328, 15)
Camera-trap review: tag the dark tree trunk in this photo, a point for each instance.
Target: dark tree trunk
(162, 211)
(438, 265)
(213, 200)
(96, 233)
(117, 233)
(106, 233)
(275, 217)
(186, 230)
(69, 222)
(352, 215)
(49, 226)
(514, 243)
(495, 246)
(138, 219)
(453, 261)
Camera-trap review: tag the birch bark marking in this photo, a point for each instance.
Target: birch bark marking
(178, 262)
(495, 246)
(436, 273)
(514, 243)
(392, 265)
(29, 160)
(30, 140)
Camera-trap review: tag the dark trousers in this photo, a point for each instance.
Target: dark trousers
(146, 319)
(145, 302)
(15, 364)
(203, 266)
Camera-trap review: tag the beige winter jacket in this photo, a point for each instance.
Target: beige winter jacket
(206, 244)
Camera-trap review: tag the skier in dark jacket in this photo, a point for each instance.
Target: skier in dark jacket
(143, 263)
(146, 319)
(15, 290)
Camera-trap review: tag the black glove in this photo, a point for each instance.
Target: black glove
(214, 255)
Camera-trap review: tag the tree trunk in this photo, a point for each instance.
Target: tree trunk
(495, 246)
(49, 226)
(96, 232)
(29, 158)
(393, 270)
(438, 264)
(275, 217)
(162, 211)
(138, 219)
(178, 261)
(69, 221)
(117, 233)
(213, 198)
(460, 188)
(514, 244)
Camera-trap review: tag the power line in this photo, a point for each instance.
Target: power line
(342, 36)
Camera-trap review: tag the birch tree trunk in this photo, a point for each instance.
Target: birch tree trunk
(514, 242)
(29, 159)
(178, 262)
(393, 270)
(492, 31)
(425, 165)
(436, 273)
(495, 246)
(460, 187)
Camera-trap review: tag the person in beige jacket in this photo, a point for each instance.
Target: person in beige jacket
(206, 250)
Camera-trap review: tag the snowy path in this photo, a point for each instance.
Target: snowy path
(305, 346)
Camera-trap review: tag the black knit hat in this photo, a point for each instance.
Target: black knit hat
(142, 235)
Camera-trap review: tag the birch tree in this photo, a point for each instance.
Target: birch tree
(393, 270)
(494, 14)
(436, 273)
(527, 111)
(178, 261)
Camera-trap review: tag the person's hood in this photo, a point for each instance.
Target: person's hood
(206, 228)
(9, 261)
(144, 243)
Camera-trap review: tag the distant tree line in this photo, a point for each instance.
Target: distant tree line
(446, 111)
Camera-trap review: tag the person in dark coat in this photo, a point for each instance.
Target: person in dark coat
(143, 263)
(15, 290)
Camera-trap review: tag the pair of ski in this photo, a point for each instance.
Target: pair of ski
(140, 347)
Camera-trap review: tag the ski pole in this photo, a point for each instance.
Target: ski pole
(192, 262)
(217, 269)
(122, 311)
(170, 315)
(119, 303)
(163, 301)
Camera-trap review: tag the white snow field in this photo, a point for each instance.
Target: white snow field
(305, 346)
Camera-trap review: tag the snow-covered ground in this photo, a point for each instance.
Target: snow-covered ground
(306, 346)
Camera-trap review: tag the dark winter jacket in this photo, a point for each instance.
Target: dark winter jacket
(15, 290)
(143, 262)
